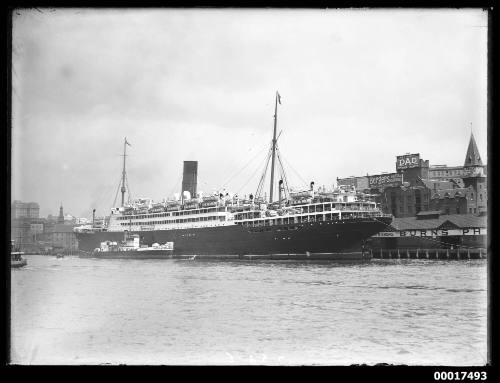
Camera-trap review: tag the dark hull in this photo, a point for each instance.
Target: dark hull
(331, 237)
(152, 254)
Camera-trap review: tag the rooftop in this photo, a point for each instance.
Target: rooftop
(445, 221)
(450, 193)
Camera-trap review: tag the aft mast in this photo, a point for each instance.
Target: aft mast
(124, 173)
(278, 99)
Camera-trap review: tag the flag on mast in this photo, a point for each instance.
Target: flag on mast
(279, 97)
(127, 142)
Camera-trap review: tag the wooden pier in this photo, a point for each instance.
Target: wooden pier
(429, 253)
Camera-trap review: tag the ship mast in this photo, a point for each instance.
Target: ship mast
(123, 189)
(274, 146)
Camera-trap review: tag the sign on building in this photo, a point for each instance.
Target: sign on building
(407, 161)
(360, 183)
(385, 180)
(432, 232)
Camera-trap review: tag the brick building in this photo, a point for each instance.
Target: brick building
(418, 187)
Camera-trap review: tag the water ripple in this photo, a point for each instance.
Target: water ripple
(169, 312)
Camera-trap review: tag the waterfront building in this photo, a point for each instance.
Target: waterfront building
(60, 237)
(25, 232)
(433, 230)
(412, 168)
(25, 210)
(416, 186)
(473, 165)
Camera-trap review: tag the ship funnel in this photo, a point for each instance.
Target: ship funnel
(190, 177)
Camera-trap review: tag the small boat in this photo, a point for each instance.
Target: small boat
(16, 259)
(130, 248)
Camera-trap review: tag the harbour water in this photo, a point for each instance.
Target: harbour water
(91, 311)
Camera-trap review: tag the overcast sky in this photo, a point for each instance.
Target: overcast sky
(358, 88)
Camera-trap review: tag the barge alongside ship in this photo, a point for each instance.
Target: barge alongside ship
(130, 248)
(307, 224)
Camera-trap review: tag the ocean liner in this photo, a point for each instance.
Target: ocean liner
(316, 223)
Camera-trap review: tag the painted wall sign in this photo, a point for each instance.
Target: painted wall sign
(360, 183)
(407, 161)
(432, 233)
(385, 180)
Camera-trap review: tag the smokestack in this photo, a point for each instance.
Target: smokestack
(190, 177)
(93, 217)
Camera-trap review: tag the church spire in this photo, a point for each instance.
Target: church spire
(472, 157)
(60, 219)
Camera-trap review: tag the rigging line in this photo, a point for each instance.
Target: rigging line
(261, 183)
(266, 162)
(429, 239)
(285, 180)
(260, 186)
(250, 178)
(243, 168)
(116, 195)
(282, 168)
(129, 194)
(288, 185)
(103, 198)
(296, 172)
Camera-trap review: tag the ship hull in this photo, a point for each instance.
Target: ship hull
(344, 238)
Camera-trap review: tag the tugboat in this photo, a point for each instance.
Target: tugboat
(130, 248)
(16, 259)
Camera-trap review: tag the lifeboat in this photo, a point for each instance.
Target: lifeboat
(301, 195)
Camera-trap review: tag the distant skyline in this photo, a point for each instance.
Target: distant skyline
(358, 88)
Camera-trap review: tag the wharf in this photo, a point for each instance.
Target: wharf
(479, 253)
(355, 256)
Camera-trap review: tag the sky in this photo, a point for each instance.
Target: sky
(357, 87)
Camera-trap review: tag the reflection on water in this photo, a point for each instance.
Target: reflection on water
(89, 311)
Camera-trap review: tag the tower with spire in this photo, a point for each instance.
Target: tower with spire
(476, 178)
(472, 157)
(60, 218)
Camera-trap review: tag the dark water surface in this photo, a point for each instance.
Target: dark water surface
(89, 311)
